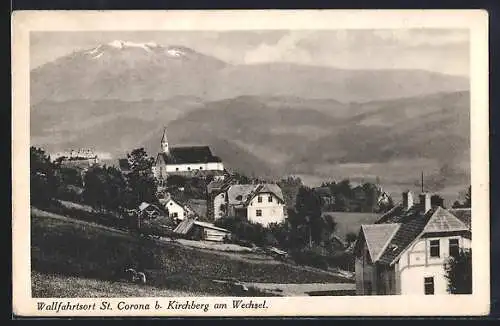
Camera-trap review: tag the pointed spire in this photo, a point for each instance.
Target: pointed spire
(164, 141)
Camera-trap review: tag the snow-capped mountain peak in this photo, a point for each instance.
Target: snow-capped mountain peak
(175, 52)
(148, 47)
(127, 44)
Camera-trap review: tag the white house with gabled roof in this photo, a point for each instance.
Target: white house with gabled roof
(258, 203)
(405, 251)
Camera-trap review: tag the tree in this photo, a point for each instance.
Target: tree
(141, 181)
(468, 197)
(351, 237)
(43, 180)
(459, 273)
(105, 188)
(467, 200)
(307, 221)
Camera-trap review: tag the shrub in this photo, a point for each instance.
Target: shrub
(310, 257)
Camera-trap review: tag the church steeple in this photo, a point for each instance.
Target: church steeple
(164, 141)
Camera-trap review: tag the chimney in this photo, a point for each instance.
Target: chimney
(407, 199)
(425, 201)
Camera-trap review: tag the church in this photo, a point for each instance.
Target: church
(185, 161)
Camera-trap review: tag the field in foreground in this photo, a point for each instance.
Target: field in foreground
(79, 250)
(55, 286)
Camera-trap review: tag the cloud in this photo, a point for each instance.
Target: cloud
(285, 49)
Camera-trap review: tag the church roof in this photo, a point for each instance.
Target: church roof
(190, 154)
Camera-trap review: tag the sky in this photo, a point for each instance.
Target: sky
(438, 50)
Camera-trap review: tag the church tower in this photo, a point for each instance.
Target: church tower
(164, 142)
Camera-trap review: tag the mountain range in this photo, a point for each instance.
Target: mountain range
(268, 119)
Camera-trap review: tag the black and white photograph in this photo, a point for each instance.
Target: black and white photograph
(250, 163)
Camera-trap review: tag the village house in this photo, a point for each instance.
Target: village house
(80, 159)
(198, 230)
(178, 209)
(257, 203)
(186, 161)
(147, 213)
(405, 250)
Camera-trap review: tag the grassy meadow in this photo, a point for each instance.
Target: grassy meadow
(80, 250)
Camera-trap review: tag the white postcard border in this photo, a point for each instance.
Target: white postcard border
(475, 20)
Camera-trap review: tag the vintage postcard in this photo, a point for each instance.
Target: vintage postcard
(250, 163)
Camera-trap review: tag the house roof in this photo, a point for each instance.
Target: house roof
(198, 206)
(190, 154)
(443, 220)
(238, 194)
(220, 185)
(412, 223)
(185, 226)
(377, 237)
(210, 226)
(243, 194)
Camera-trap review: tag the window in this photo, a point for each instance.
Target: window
(434, 248)
(201, 167)
(259, 199)
(176, 169)
(453, 247)
(189, 168)
(429, 285)
(258, 212)
(270, 199)
(175, 214)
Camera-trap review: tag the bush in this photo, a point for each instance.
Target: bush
(342, 260)
(245, 232)
(310, 257)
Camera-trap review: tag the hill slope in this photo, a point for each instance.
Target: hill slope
(168, 266)
(270, 136)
